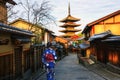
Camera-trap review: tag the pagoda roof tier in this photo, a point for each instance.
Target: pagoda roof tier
(65, 36)
(70, 18)
(75, 30)
(70, 25)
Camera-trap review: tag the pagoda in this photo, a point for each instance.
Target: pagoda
(69, 25)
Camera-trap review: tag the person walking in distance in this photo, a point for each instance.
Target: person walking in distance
(48, 59)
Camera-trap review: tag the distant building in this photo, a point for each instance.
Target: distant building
(69, 25)
(14, 52)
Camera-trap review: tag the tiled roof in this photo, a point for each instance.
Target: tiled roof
(65, 36)
(70, 24)
(20, 19)
(14, 30)
(104, 18)
(87, 27)
(100, 36)
(75, 30)
(69, 18)
(112, 38)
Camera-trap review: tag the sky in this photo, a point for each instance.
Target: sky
(86, 10)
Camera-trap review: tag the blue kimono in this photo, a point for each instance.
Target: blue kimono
(49, 63)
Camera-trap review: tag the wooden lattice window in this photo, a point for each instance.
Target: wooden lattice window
(6, 67)
(26, 60)
(18, 61)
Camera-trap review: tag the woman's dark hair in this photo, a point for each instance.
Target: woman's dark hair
(49, 44)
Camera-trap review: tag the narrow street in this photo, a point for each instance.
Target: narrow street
(69, 69)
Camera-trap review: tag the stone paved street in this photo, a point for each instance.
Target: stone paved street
(69, 69)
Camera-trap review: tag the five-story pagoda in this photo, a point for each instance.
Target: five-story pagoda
(69, 25)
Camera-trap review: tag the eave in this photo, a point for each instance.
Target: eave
(14, 30)
(20, 19)
(70, 18)
(69, 30)
(70, 25)
(87, 27)
(66, 36)
(104, 18)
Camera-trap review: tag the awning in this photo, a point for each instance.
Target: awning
(113, 38)
(84, 45)
(100, 36)
(20, 39)
(23, 40)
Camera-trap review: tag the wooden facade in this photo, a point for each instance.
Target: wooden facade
(106, 49)
(6, 67)
(18, 60)
(105, 34)
(14, 52)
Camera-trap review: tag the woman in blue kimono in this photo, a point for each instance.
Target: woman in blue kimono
(48, 59)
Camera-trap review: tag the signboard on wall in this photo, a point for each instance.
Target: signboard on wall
(4, 41)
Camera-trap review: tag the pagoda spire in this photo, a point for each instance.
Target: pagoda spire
(69, 9)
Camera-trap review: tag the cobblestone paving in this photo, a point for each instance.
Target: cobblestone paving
(69, 69)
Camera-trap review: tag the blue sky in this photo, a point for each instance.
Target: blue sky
(86, 10)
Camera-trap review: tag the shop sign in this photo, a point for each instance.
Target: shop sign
(4, 41)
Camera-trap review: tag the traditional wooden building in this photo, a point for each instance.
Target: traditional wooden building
(42, 34)
(105, 47)
(14, 52)
(16, 57)
(69, 25)
(104, 37)
(3, 10)
(110, 22)
(42, 37)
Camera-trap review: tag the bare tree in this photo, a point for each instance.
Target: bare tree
(11, 13)
(38, 14)
(6, 10)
